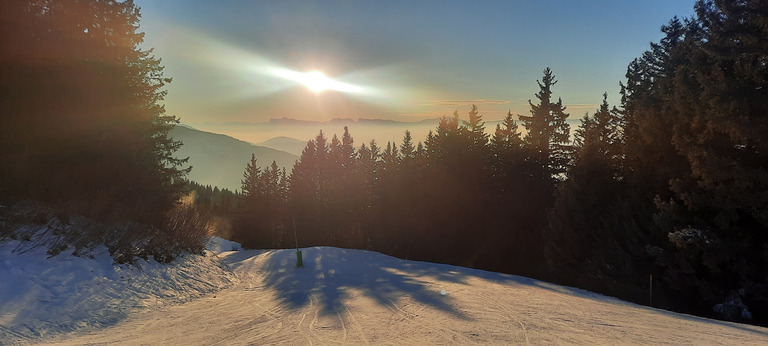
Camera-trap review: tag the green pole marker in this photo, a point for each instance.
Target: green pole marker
(650, 299)
(299, 261)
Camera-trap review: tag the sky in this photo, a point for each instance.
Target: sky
(244, 61)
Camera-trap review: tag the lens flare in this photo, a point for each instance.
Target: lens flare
(317, 81)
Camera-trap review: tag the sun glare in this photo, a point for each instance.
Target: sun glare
(316, 81)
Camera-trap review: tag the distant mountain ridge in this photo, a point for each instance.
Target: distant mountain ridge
(220, 160)
(287, 144)
(362, 130)
(291, 121)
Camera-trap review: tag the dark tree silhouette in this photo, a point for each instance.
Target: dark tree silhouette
(588, 224)
(261, 218)
(83, 124)
(547, 136)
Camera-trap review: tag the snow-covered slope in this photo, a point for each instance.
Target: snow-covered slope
(361, 297)
(41, 296)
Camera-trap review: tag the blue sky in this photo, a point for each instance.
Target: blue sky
(416, 59)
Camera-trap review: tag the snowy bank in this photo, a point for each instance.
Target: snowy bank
(42, 296)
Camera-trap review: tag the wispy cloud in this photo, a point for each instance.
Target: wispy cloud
(488, 114)
(465, 102)
(578, 110)
(417, 116)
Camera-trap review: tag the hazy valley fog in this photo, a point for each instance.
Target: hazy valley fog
(362, 130)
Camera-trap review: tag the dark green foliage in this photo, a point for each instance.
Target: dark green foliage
(219, 201)
(591, 240)
(460, 197)
(309, 193)
(547, 139)
(81, 99)
(416, 201)
(542, 159)
(474, 131)
(82, 124)
(219, 205)
(695, 110)
(261, 219)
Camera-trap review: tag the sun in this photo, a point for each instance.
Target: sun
(316, 81)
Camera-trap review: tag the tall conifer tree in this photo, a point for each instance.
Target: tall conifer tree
(548, 132)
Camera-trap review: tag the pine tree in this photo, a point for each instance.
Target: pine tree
(390, 158)
(249, 186)
(275, 213)
(367, 164)
(548, 132)
(430, 150)
(474, 151)
(588, 224)
(446, 140)
(475, 131)
(546, 157)
(507, 157)
(310, 198)
(347, 149)
(694, 149)
(82, 110)
(720, 96)
(340, 173)
(247, 227)
(421, 152)
(96, 100)
(598, 141)
(407, 150)
(367, 180)
(506, 139)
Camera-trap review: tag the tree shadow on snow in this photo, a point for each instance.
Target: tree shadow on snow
(333, 274)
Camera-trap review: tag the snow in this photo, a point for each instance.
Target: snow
(41, 296)
(340, 296)
(218, 245)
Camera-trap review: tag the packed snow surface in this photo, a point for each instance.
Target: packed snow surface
(340, 296)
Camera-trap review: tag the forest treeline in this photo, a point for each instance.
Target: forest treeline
(672, 183)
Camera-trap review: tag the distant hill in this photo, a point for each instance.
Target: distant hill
(286, 144)
(349, 121)
(362, 130)
(220, 160)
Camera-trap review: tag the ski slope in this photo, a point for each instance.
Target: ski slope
(358, 297)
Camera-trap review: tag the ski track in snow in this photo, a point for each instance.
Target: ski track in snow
(358, 297)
